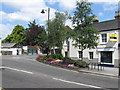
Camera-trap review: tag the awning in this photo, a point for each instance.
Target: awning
(105, 49)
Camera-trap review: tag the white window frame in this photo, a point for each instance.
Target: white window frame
(80, 55)
(101, 38)
(92, 56)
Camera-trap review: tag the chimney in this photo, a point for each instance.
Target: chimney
(95, 19)
(117, 16)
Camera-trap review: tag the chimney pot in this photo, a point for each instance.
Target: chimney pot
(95, 19)
(117, 14)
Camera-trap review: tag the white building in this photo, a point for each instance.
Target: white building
(10, 49)
(108, 50)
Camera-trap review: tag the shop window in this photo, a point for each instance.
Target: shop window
(106, 56)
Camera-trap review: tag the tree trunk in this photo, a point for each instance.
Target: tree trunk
(82, 54)
(54, 50)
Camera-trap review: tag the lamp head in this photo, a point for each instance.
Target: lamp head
(43, 11)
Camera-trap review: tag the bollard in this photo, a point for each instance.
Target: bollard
(91, 66)
(98, 66)
(88, 66)
(94, 65)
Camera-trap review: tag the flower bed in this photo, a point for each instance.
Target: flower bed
(65, 63)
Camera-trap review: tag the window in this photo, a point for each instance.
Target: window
(68, 45)
(80, 54)
(91, 55)
(104, 37)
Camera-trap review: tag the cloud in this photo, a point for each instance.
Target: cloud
(69, 23)
(26, 10)
(110, 6)
(6, 29)
(24, 3)
(113, 1)
(71, 4)
(67, 4)
(100, 14)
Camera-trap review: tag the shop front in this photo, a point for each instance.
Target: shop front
(106, 57)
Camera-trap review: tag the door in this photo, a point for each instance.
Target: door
(66, 54)
(106, 56)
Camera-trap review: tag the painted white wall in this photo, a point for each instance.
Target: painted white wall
(112, 45)
(14, 50)
(25, 48)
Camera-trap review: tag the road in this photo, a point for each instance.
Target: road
(25, 72)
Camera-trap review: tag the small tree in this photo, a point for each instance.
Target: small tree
(57, 31)
(17, 35)
(35, 34)
(85, 34)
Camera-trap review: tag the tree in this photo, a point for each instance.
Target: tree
(85, 34)
(17, 35)
(35, 34)
(57, 31)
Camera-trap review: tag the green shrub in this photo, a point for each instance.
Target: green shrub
(49, 59)
(44, 58)
(70, 61)
(58, 56)
(66, 58)
(81, 64)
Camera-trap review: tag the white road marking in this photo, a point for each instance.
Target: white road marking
(76, 83)
(18, 70)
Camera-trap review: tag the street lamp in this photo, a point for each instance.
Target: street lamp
(43, 11)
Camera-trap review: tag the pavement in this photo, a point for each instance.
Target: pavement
(108, 71)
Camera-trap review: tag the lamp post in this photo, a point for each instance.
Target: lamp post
(0, 47)
(43, 11)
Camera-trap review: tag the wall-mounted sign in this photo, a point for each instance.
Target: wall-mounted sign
(113, 37)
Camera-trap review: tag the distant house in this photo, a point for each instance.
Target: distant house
(10, 49)
(31, 50)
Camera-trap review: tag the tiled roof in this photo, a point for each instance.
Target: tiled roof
(34, 47)
(108, 25)
(8, 44)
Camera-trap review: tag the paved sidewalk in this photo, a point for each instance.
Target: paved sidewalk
(109, 71)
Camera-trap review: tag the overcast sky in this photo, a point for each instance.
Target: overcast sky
(20, 12)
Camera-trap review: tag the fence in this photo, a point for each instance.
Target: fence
(95, 65)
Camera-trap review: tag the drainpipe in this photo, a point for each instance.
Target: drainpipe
(119, 58)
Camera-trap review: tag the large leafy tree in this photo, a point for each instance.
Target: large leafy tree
(17, 35)
(85, 34)
(35, 34)
(57, 31)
